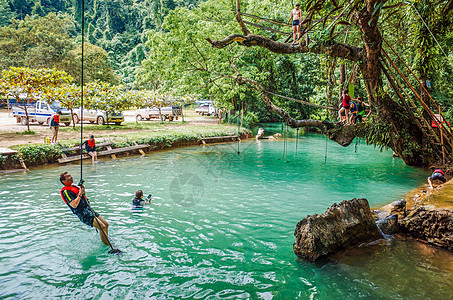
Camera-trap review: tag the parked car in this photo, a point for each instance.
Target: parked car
(97, 116)
(206, 107)
(168, 113)
(40, 112)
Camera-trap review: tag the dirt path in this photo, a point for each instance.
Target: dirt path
(10, 130)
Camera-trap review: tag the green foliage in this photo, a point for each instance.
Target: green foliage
(26, 132)
(375, 133)
(96, 64)
(41, 42)
(5, 13)
(39, 154)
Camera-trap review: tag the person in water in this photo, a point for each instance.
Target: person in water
(296, 16)
(437, 174)
(54, 125)
(138, 201)
(90, 147)
(74, 196)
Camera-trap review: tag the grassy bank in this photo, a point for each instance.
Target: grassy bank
(160, 138)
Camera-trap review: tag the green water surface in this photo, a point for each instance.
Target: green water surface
(220, 226)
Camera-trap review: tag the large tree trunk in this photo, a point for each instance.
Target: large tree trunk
(408, 139)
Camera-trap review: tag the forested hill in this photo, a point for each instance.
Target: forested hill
(118, 26)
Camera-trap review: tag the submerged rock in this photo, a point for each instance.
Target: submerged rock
(343, 225)
(389, 225)
(432, 226)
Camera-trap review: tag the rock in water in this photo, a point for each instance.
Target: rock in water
(433, 226)
(389, 225)
(343, 225)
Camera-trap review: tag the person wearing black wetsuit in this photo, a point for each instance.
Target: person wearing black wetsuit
(77, 201)
(90, 147)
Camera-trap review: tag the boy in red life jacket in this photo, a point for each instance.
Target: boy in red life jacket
(54, 125)
(75, 198)
(437, 174)
(90, 147)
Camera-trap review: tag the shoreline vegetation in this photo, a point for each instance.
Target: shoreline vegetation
(40, 154)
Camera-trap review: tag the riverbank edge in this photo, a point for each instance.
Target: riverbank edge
(425, 217)
(38, 155)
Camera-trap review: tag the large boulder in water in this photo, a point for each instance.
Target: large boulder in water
(343, 225)
(431, 225)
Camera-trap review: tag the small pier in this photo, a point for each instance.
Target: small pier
(220, 139)
(108, 151)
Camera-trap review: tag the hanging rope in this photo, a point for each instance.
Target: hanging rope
(297, 139)
(81, 94)
(239, 124)
(356, 145)
(286, 142)
(325, 155)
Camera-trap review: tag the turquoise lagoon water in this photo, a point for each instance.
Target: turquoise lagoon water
(220, 226)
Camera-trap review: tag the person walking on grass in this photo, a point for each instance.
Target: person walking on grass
(74, 196)
(296, 17)
(54, 124)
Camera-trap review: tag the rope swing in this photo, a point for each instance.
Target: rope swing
(112, 250)
(297, 139)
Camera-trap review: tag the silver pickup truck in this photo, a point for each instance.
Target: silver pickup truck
(97, 116)
(40, 112)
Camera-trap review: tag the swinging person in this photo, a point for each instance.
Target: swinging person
(75, 198)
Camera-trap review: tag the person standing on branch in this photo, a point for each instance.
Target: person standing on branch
(296, 17)
(77, 201)
(346, 101)
(54, 125)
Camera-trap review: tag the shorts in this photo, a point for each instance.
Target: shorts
(346, 107)
(86, 216)
(296, 23)
(89, 149)
(438, 176)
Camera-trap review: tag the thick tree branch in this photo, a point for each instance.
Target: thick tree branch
(331, 48)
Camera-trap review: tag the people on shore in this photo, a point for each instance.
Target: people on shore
(138, 201)
(438, 174)
(90, 147)
(296, 17)
(54, 125)
(74, 196)
(219, 120)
